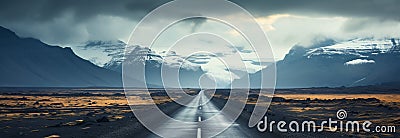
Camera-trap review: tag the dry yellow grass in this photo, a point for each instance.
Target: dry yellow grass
(382, 97)
(56, 107)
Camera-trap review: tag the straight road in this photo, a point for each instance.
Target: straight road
(200, 109)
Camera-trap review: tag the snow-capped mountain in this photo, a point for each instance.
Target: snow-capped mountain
(155, 64)
(144, 54)
(112, 56)
(332, 64)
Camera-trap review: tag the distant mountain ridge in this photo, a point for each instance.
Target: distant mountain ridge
(357, 62)
(189, 73)
(28, 62)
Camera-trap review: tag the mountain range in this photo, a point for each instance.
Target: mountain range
(356, 62)
(28, 62)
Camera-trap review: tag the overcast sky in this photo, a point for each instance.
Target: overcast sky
(287, 23)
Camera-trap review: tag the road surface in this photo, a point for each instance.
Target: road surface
(199, 109)
(205, 110)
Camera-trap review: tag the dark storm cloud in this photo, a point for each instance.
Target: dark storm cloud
(73, 20)
(45, 10)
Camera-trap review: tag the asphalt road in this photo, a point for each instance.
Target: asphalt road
(205, 109)
(203, 119)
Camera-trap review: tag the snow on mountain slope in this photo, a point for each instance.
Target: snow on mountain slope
(110, 54)
(101, 52)
(154, 65)
(173, 60)
(357, 47)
